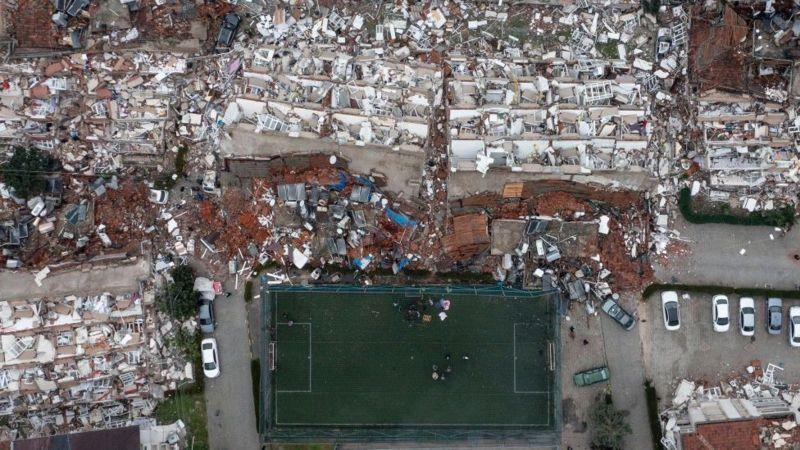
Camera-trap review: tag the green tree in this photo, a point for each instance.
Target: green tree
(25, 171)
(178, 299)
(608, 424)
(187, 343)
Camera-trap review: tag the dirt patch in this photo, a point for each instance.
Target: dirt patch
(630, 274)
(559, 203)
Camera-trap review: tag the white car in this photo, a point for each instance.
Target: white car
(747, 316)
(794, 326)
(208, 348)
(672, 312)
(721, 313)
(158, 196)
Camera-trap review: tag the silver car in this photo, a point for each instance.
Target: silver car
(774, 315)
(616, 312)
(206, 316)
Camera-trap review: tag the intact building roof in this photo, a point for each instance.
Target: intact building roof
(735, 435)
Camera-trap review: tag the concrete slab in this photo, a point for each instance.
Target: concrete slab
(402, 169)
(506, 235)
(119, 279)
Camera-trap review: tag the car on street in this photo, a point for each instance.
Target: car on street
(672, 312)
(206, 316)
(720, 311)
(616, 312)
(774, 315)
(794, 326)
(747, 316)
(158, 196)
(208, 350)
(591, 376)
(227, 31)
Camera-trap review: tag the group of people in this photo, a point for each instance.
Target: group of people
(415, 311)
(439, 374)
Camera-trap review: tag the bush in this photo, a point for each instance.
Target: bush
(25, 171)
(652, 414)
(712, 289)
(186, 343)
(165, 180)
(255, 372)
(609, 426)
(782, 217)
(248, 291)
(178, 299)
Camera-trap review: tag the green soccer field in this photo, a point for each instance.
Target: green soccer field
(354, 359)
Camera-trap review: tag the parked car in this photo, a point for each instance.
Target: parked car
(672, 312)
(208, 349)
(591, 376)
(227, 31)
(720, 310)
(794, 326)
(616, 312)
(747, 316)
(774, 315)
(158, 196)
(206, 316)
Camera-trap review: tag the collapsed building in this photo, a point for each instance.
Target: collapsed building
(83, 362)
(752, 411)
(746, 98)
(578, 102)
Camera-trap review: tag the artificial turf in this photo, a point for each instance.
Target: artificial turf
(355, 360)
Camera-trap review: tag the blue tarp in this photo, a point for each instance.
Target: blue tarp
(341, 184)
(400, 219)
(397, 267)
(362, 263)
(365, 182)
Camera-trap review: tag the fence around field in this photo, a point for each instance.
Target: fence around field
(508, 435)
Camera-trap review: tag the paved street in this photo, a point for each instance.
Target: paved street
(696, 351)
(715, 257)
(625, 360)
(576, 357)
(616, 348)
(229, 398)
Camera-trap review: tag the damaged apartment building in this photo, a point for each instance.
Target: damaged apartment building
(91, 110)
(371, 95)
(577, 101)
(79, 363)
(747, 91)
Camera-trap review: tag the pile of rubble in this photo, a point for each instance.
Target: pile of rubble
(554, 234)
(754, 409)
(83, 362)
(729, 121)
(572, 96)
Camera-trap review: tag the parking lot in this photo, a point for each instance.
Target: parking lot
(697, 352)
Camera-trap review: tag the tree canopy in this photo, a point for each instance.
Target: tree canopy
(178, 299)
(25, 171)
(609, 425)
